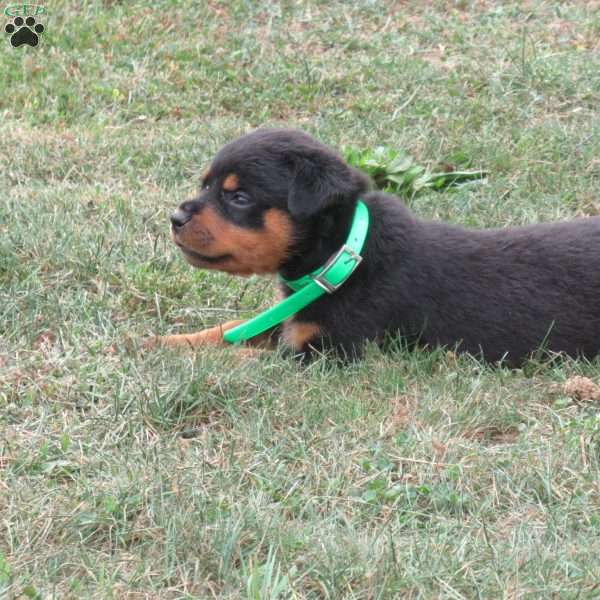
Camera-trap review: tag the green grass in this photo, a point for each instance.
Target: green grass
(126, 474)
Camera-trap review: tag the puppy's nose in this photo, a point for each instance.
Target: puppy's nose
(180, 217)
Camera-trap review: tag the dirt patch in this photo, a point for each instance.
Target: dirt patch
(493, 435)
(581, 389)
(400, 416)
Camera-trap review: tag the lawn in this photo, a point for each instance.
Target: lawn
(413, 474)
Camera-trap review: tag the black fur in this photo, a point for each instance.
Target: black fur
(500, 294)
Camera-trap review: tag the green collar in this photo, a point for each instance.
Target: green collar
(326, 279)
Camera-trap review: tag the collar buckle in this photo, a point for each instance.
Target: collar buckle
(335, 260)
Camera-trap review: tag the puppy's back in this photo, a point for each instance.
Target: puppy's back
(496, 292)
(519, 288)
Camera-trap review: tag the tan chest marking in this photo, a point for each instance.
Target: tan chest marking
(298, 335)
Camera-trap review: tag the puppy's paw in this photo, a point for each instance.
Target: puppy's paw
(206, 337)
(185, 342)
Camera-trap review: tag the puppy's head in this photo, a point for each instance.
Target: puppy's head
(258, 198)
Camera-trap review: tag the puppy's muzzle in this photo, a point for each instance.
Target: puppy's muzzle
(179, 218)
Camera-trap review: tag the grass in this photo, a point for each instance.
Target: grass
(159, 475)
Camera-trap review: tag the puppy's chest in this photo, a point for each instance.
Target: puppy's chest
(296, 334)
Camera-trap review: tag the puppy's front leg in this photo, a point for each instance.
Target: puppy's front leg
(209, 337)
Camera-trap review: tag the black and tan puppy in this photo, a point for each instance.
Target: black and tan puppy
(278, 201)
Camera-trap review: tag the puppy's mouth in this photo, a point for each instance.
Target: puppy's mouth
(208, 260)
(202, 257)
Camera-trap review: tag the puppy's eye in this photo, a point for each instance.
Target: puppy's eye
(239, 199)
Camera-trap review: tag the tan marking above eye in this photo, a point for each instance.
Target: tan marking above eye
(231, 183)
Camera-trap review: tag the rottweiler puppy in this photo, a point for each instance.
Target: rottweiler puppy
(278, 201)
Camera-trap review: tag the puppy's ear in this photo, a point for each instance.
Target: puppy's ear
(320, 181)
